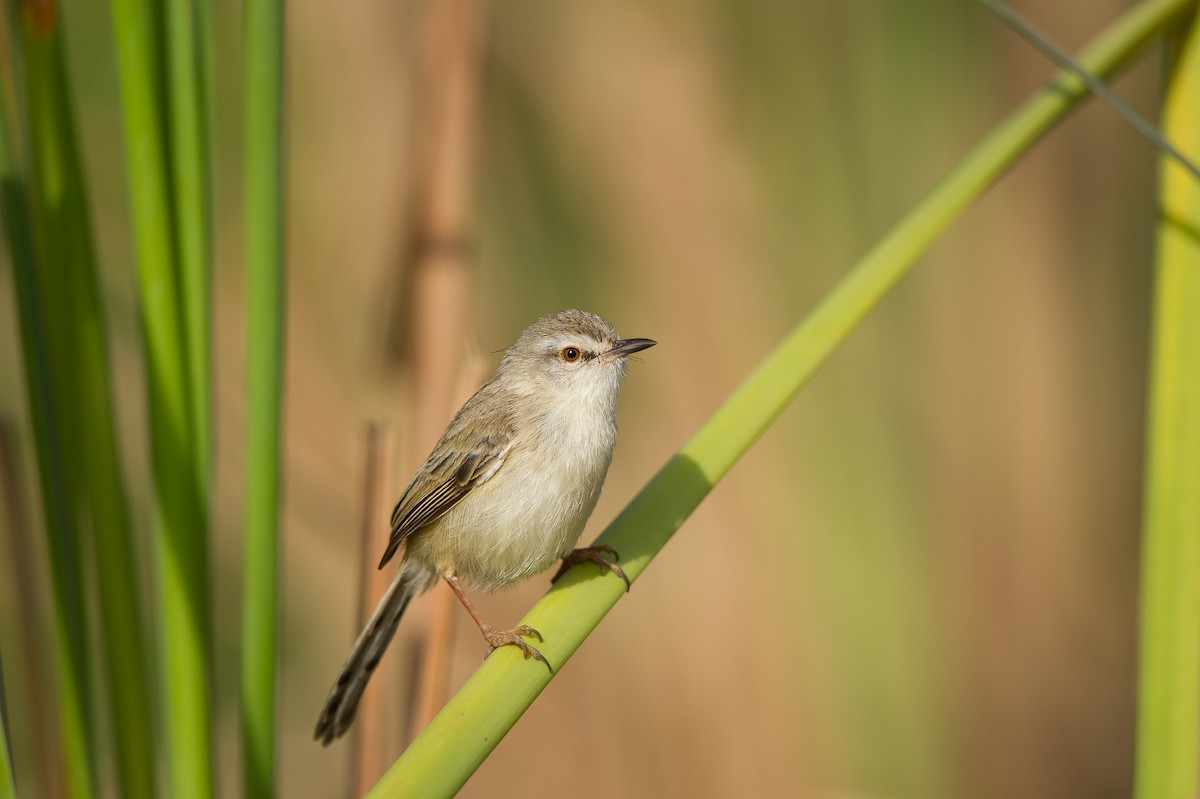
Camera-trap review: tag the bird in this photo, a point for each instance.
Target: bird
(506, 491)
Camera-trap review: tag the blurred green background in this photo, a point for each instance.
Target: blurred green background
(921, 583)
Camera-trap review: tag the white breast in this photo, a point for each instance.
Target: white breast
(532, 511)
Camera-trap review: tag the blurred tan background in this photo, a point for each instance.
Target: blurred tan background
(920, 583)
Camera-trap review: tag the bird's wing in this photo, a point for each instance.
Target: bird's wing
(442, 483)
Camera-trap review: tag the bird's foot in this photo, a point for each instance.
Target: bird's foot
(497, 638)
(593, 555)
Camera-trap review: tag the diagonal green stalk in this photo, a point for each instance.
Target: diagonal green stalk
(449, 750)
(265, 296)
(180, 512)
(69, 296)
(1168, 728)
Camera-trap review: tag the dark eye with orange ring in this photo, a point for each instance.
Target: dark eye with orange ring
(571, 354)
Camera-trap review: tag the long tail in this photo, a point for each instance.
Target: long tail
(342, 701)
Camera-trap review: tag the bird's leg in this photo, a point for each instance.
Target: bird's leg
(593, 555)
(493, 636)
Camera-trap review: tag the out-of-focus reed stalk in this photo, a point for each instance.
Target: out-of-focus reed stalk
(18, 527)
(67, 291)
(70, 631)
(8, 788)
(186, 65)
(22, 568)
(266, 294)
(47, 444)
(377, 500)
(1168, 729)
(444, 756)
(434, 315)
(179, 459)
(73, 696)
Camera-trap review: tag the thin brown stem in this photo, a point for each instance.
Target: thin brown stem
(435, 661)
(435, 324)
(369, 756)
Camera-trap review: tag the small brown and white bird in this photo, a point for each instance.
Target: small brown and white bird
(506, 491)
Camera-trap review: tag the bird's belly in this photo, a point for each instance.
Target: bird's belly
(514, 526)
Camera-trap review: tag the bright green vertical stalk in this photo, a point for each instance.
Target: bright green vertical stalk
(1168, 728)
(70, 299)
(70, 632)
(180, 508)
(189, 157)
(265, 296)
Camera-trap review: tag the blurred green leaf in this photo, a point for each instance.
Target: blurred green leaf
(190, 174)
(180, 460)
(1168, 728)
(72, 307)
(265, 329)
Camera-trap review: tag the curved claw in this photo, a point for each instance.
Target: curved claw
(498, 638)
(593, 555)
(525, 629)
(605, 548)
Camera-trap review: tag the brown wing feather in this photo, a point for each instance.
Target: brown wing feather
(442, 484)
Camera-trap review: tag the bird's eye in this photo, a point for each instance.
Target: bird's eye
(571, 354)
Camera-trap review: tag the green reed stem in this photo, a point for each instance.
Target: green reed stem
(75, 314)
(180, 513)
(188, 143)
(1168, 727)
(265, 298)
(44, 397)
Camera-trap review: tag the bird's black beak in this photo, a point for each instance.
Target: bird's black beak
(629, 346)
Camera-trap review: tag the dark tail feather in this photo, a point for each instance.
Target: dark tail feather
(342, 702)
